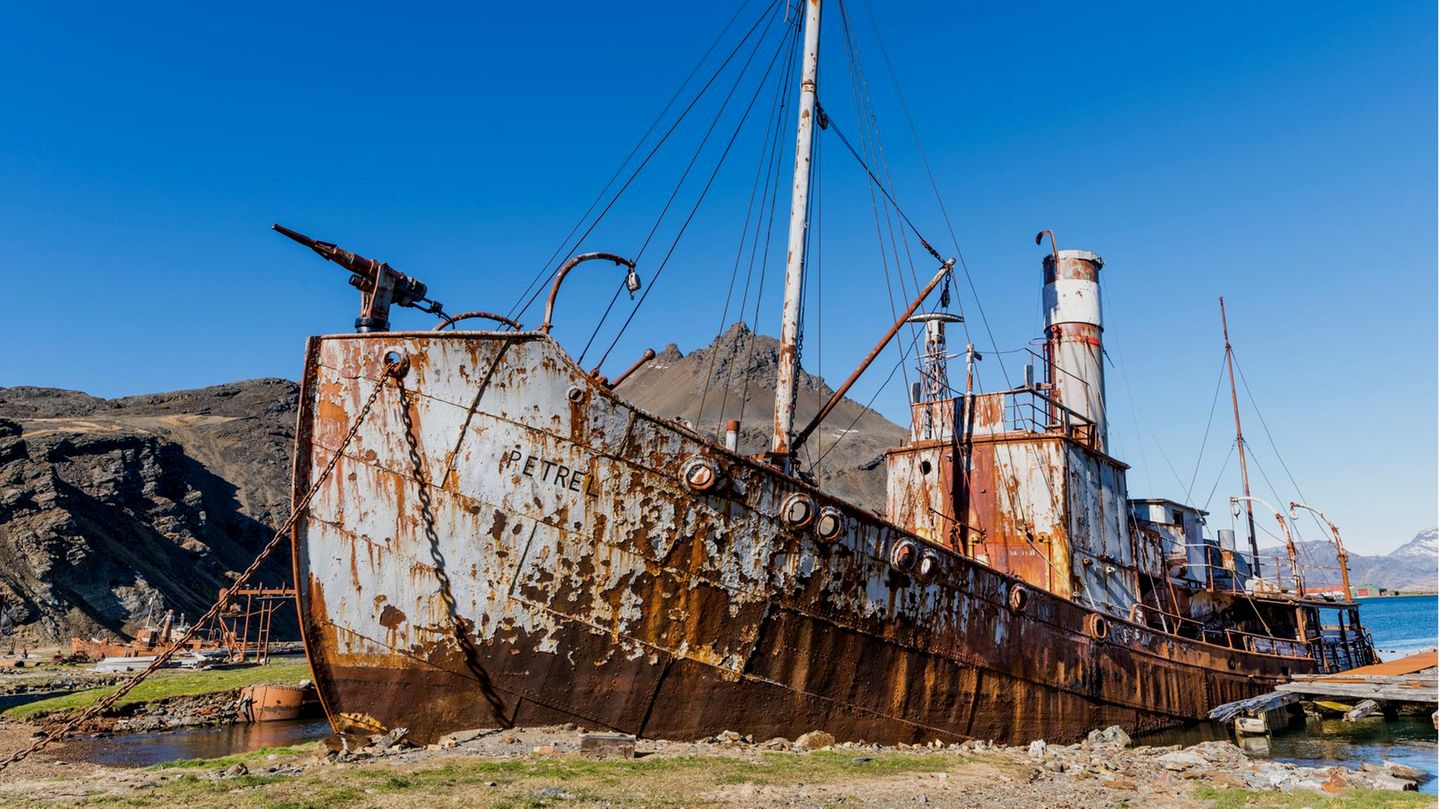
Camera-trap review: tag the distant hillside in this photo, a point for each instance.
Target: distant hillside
(1412, 566)
(110, 507)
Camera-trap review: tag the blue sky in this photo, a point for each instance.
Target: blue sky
(1280, 154)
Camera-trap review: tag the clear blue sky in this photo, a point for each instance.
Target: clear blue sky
(1280, 154)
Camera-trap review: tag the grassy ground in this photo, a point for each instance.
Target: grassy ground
(164, 684)
(1306, 799)
(822, 779)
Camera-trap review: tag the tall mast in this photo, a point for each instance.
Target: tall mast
(785, 379)
(1240, 442)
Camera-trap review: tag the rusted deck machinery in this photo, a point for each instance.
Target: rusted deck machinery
(506, 540)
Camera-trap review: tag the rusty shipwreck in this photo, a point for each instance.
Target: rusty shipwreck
(502, 539)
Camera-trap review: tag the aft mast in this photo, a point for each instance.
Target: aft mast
(785, 381)
(1240, 442)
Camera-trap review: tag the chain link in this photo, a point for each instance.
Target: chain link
(389, 372)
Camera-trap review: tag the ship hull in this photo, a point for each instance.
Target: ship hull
(509, 543)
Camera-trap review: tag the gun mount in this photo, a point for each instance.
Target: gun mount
(380, 284)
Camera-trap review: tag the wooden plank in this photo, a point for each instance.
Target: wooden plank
(1253, 705)
(1361, 691)
(1364, 709)
(1366, 678)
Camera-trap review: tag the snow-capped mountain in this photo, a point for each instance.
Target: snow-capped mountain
(1423, 545)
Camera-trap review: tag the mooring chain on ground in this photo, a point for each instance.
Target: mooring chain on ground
(390, 371)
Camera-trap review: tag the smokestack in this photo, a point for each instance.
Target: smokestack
(1072, 336)
(732, 435)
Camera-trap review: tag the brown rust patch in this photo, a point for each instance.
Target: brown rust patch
(390, 618)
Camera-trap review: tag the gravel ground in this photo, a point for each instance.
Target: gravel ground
(545, 767)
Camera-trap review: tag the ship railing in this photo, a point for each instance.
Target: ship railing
(1029, 410)
(1176, 624)
(1267, 644)
(1233, 638)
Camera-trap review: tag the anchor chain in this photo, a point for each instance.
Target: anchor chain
(389, 372)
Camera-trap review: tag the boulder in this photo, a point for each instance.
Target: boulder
(814, 740)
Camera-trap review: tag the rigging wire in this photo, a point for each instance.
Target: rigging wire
(1324, 529)
(764, 265)
(549, 262)
(770, 144)
(883, 190)
(934, 185)
(684, 175)
(520, 309)
(1208, 422)
(664, 262)
(851, 60)
(1223, 466)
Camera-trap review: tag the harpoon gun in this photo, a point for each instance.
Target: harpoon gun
(380, 284)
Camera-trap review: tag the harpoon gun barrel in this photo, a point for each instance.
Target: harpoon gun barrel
(380, 284)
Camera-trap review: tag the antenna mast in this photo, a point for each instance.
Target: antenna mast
(1240, 442)
(785, 380)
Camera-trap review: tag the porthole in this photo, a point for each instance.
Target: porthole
(830, 524)
(928, 568)
(700, 474)
(1017, 598)
(575, 394)
(1096, 627)
(904, 556)
(797, 510)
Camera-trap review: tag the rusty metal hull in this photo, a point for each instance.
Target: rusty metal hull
(516, 545)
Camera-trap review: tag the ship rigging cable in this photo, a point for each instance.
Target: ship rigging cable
(684, 175)
(537, 284)
(664, 262)
(863, 112)
(770, 149)
(549, 262)
(390, 371)
(1209, 421)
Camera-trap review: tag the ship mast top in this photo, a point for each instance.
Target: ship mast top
(785, 382)
(1240, 443)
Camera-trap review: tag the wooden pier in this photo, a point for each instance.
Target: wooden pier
(1409, 682)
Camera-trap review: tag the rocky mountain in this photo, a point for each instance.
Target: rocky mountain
(1423, 546)
(734, 378)
(111, 508)
(1410, 567)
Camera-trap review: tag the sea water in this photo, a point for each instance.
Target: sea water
(1400, 626)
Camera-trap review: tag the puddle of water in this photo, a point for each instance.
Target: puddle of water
(1409, 740)
(145, 749)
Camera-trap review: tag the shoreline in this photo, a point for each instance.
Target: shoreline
(546, 766)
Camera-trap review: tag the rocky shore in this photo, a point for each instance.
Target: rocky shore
(561, 766)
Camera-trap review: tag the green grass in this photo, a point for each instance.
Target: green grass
(163, 685)
(1310, 799)
(652, 781)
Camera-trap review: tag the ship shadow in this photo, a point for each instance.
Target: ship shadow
(462, 627)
